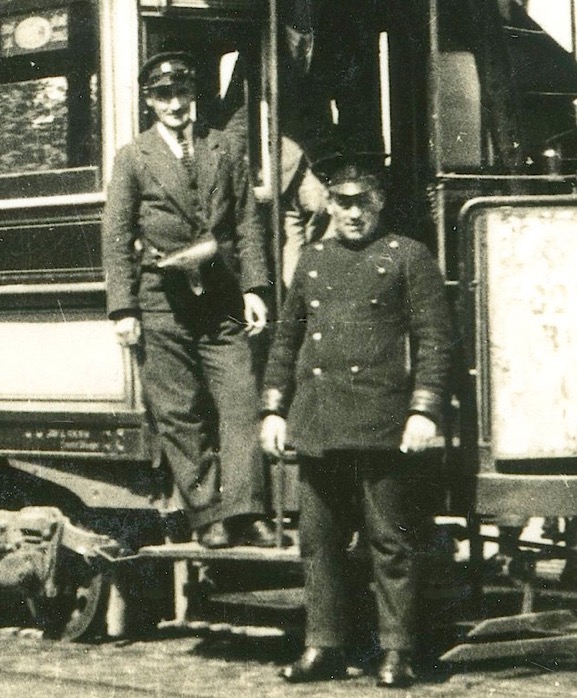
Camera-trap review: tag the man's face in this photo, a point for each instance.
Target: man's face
(356, 217)
(171, 104)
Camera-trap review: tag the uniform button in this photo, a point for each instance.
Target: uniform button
(394, 244)
(355, 369)
(319, 246)
(381, 270)
(313, 273)
(317, 336)
(317, 371)
(315, 304)
(374, 301)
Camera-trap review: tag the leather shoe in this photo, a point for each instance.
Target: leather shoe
(259, 533)
(317, 664)
(395, 670)
(214, 536)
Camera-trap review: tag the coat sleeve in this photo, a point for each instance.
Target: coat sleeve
(279, 379)
(119, 235)
(251, 246)
(430, 332)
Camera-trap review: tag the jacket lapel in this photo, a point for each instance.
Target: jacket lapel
(206, 155)
(165, 169)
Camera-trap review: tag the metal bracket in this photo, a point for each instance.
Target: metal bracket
(31, 541)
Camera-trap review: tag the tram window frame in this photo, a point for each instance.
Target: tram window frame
(70, 53)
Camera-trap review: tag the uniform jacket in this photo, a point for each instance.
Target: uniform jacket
(148, 190)
(341, 360)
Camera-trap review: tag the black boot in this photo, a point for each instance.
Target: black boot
(395, 670)
(317, 664)
(258, 533)
(214, 536)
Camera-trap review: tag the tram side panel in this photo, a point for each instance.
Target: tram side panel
(69, 396)
(77, 484)
(518, 315)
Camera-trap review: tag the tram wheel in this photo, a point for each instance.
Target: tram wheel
(78, 611)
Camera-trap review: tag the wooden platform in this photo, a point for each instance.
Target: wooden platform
(196, 552)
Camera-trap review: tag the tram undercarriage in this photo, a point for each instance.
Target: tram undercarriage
(79, 584)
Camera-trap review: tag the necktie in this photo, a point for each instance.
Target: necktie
(300, 45)
(187, 157)
(193, 275)
(304, 52)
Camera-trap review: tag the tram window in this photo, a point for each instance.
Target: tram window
(557, 23)
(227, 68)
(49, 98)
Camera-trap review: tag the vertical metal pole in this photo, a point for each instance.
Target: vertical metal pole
(574, 28)
(275, 151)
(435, 107)
(277, 476)
(277, 469)
(434, 84)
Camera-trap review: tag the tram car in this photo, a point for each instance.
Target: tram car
(474, 103)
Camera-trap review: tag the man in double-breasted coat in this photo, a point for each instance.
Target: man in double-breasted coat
(358, 364)
(179, 187)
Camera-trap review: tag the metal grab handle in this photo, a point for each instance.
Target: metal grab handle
(277, 476)
(74, 287)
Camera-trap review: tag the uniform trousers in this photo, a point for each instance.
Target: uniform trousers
(346, 491)
(200, 388)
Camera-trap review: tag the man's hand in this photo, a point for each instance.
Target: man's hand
(273, 435)
(255, 314)
(128, 331)
(419, 434)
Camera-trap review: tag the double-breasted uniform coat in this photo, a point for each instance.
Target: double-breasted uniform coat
(196, 362)
(362, 343)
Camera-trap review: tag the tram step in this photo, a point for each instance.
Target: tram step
(195, 552)
(202, 626)
(552, 623)
(277, 608)
(563, 645)
(291, 599)
(525, 634)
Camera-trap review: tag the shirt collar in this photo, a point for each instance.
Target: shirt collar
(169, 137)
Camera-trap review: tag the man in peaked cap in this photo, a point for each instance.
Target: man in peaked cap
(338, 372)
(164, 69)
(184, 253)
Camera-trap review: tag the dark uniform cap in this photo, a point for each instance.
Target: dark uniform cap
(170, 68)
(351, 174)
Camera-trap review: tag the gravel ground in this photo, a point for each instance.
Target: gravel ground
(181, 664)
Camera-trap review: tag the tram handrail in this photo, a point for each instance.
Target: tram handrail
(69, 288)
(555, 178)
(55, 201)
